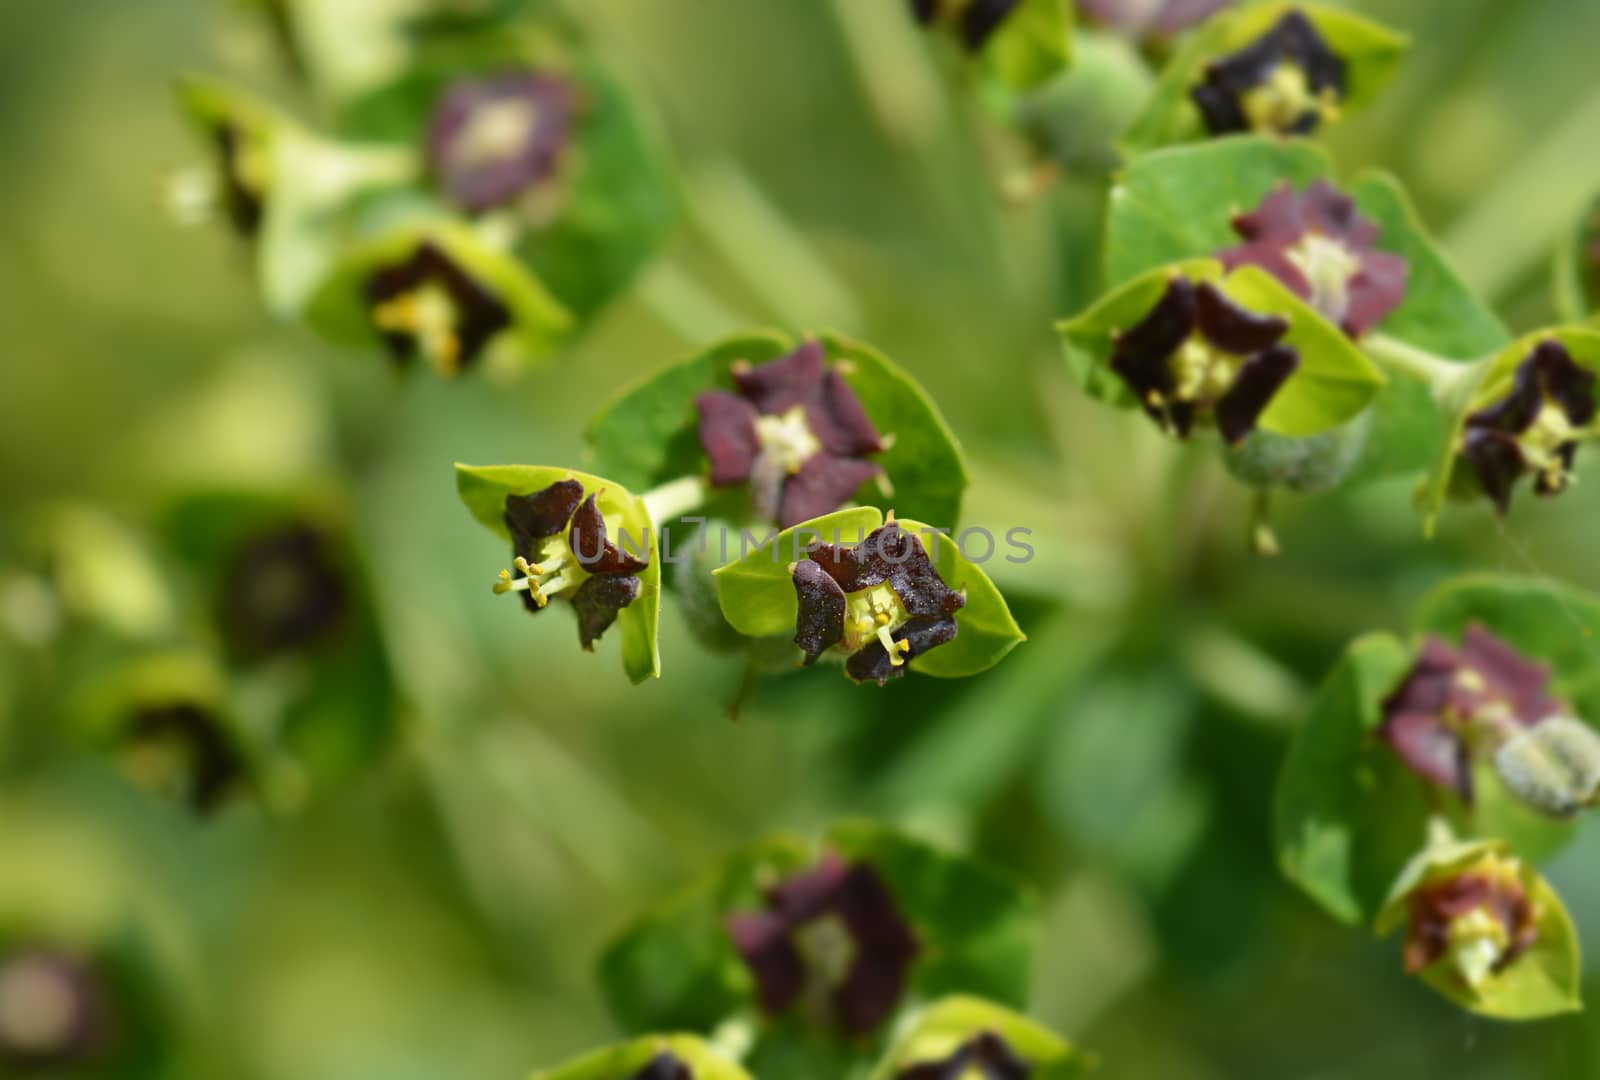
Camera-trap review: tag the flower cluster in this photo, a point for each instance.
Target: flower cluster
(986, 1054)
(1475, 921)
(1286, 81)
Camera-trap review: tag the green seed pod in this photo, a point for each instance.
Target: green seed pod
(1553, 766)
(1308, 465)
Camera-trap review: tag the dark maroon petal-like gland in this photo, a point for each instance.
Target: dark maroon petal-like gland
(599, 600)
(779, 385)
(1219, 106)
(1253, 389)
(594, 552)
(1516, 412)
(281, 591)
(1159, 334)
(997, 1059)
(820, 624)
(664, 1066)
(762, 941)
(1271, 257)
(837, 419)
(1428, 686)
(1279, 219)
(885, 947)
(1566, 383)
(479, 186)
(924, 11)
(728, 435)
(1323, 67)
(541, 514)
(217, 765)
(823, 484)
(981, 19)
(806, 894)
(1376, 289)
(1429, 748)
(871, 662)
(913, 576)
(1230, 327)
(1294, 38)
(481, 315)
(1510, 677)
(1331, 212)
(1497, 461)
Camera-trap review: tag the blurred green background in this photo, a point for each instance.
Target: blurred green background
(439, 916)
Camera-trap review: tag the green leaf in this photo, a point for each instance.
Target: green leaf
(977, 926)
(1179, 203)
(484, 489)
(649, 434)
(1497, 375)
(1371, 53)
(1577, 270)
(946, 1025)
(1033, 45)
(1347, 815)
(339, 310)
(1542, 982)
(987, 629)
(756, 591)
(626, 1060)
(1333, 384)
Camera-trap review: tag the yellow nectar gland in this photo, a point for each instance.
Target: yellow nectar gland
(1286, 96)
(427, 314)
(1541, 444)
(876, 612)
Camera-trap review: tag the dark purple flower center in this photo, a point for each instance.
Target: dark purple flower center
(52, 1013)
(830, 940)
(1198, 356)
(561, 549)
(282, 591)
(1535, 428)
(985, 1056)
(795, 432)
(493, 139)
(1455, 703)
(1480, 919)
(429, 305)
(1316, 244)
(185, 749)
(1286, 81)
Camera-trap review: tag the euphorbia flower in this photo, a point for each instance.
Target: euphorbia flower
(664, 1066)
(1149, 18)
(560, 549)
(184, 748)
(833, 938)
(1316, 244)
(53, 1012)
(881, 603)
(1455, 700)
(1199, 356)
(1477, 920)
(985, 1056)
(1286, 81)
(795, 432)
(494, 138)
(1535, 428)
(242, 164)
(977, 20)
(430, 305)
(282, 591)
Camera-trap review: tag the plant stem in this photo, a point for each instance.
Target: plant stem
(1444, 376)
(675, 498)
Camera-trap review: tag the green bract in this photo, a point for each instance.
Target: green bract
(1489, 381)
(757, 591)
(1371, 53)
(626, 1060)
(1333, 384)
(1348, 814)
(944, 1026)
(484, 489)
(648, 435)
(1544, 981)
(1577, 284)
(1033, 45)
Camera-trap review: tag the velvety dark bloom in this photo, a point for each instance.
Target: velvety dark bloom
(1481, 917)
(664, 1066)
(795, 431)
(494, 138)
(184, 745)
(1318, 245)
(282, 590)
(832, 937)
(881, 601)
(985, 1056)
(1199, 355)
(1535, 428)
(1149, 18)
(975, 20)
(243, 185)
(53, 1012)
(1288, 81)
(1454, 698)
(560, 548)
(430, 305)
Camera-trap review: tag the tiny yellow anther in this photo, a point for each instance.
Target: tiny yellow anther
(883, 619)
